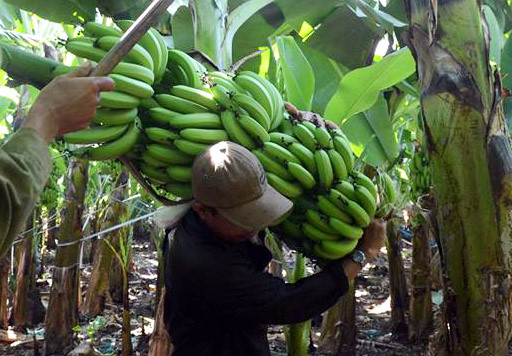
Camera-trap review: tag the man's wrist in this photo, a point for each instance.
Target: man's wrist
(40, 120)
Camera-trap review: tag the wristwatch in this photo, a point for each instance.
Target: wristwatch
(358, 256)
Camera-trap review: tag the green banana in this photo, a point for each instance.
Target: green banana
(159, 71)
(135, 71)
(132, 86)
(346, 230)
(204, 135)
(310, 126)
(113, 149)
(276, 98)
(190, 147)
(338, 165)
(112, 117)
(180, 173)
(176, 76)
(365, 199)
(343, 147)
(149, 42)
(175, 103)
(272, 166)
(85, 50)
(96, 29)
(235, 131)
(389, 187)
(340, 248)
(302, 175)
(291, 229)
(223, 97)
(355, 210)
(347, 189)
(152, 161)
(320, 221)
(323, 138)
(253, 128)
(182, 190)
(137, 54)
(159, 135)
(117, 100)
(288, 189)
(155, 174)
(189, 65)
(328, 208)
(197, 96)
(286, 126)
(228, 83)
(97, 134)
(278, 153)
(162, 115)
(196, 121)
(282, 139)
(325, 172)
(149, 104)
(305, 156)
(315, 234)
(320, 253)
(258, 92)
(169, 155)
(361, 179)
(305, 136)
(253, 108)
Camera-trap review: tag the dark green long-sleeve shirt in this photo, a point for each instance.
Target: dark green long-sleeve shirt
(25, 165)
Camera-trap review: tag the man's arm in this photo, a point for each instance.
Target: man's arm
(67, 104)
(246, 296)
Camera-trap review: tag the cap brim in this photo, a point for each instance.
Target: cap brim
(259, 213)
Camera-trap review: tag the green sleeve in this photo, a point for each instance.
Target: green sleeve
(25, 165)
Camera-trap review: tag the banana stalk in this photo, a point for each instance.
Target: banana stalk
(297, 335)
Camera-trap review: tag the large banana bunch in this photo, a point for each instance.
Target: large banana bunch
(309, 161)
(116, 127)
(420, 173)
(387, 194)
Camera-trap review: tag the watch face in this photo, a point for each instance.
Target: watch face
(358, 256)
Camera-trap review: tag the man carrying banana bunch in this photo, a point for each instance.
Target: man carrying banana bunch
(67, 104)
(218, 298)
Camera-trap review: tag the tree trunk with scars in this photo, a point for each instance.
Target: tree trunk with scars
(99, 283)
(339, 331)
(471, 159)
(397, 282)
(4, 292)
(62, 313)
(420, 303)
(25, 278)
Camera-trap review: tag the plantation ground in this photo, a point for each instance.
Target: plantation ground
(373, 312)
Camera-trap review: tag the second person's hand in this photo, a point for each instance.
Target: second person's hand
(68, 103)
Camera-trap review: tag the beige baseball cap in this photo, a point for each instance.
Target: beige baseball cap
(230, 178)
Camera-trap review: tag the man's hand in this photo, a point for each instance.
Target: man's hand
(68, 103)
(373, 239)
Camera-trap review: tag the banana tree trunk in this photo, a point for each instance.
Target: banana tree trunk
(62, 313)
(420, 303)
(25, 278)
(397, 281)
(4, 292)
(297, 335)
(99, 283)
(470, 153)
(339, 331)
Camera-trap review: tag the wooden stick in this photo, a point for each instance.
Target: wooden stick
(139, 28)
